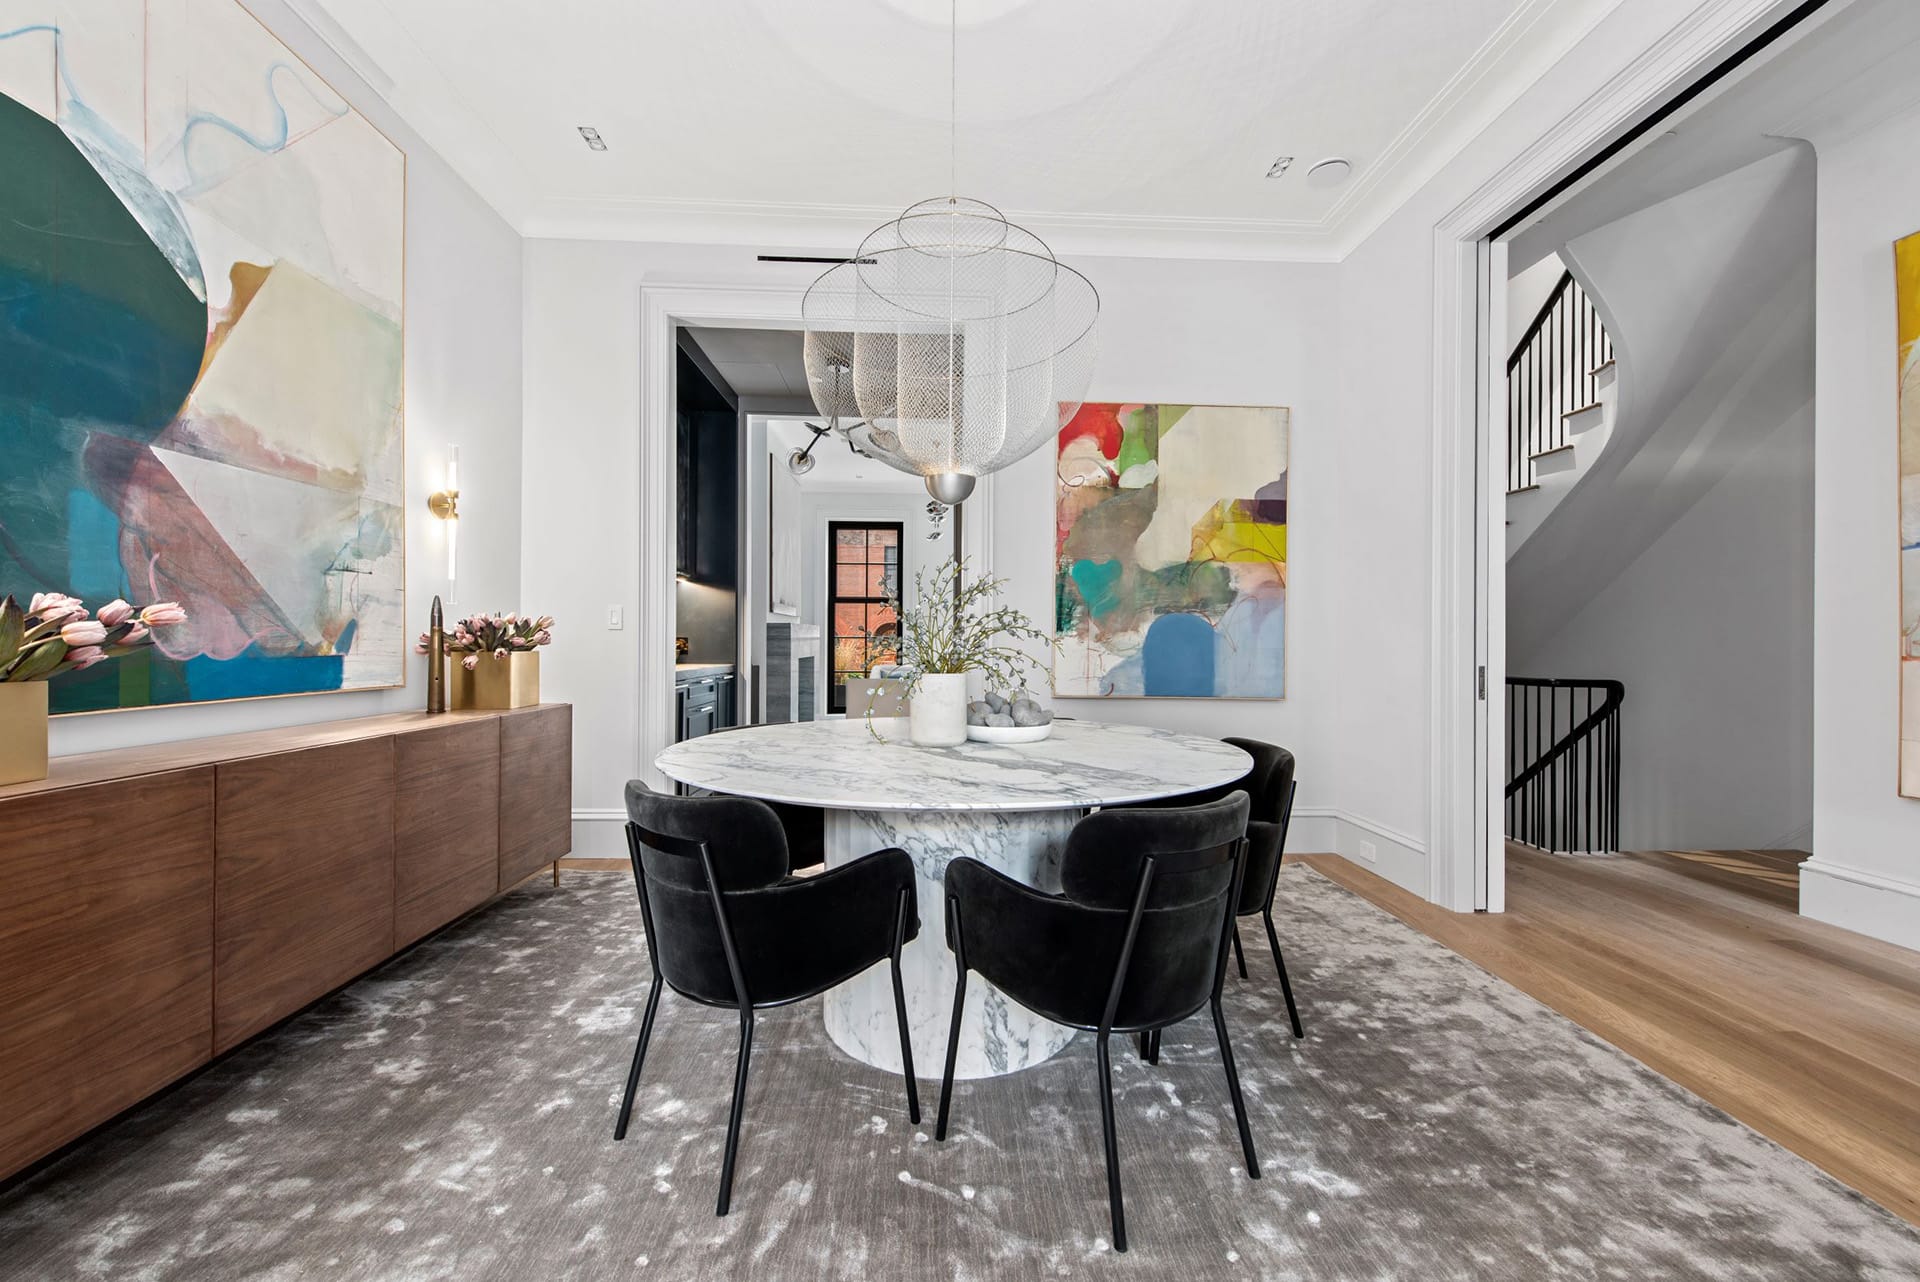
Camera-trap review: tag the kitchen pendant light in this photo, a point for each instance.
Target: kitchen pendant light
(968, 343)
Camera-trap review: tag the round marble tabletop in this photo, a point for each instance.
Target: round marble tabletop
(839, 765)
(1010, 806)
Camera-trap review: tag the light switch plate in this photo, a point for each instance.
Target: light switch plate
(1368, 853)
(615, 619)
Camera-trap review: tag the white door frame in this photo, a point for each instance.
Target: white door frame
(1466, 764)
(723, 305)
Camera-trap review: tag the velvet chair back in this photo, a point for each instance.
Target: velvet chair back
(1177, 948)
(1269, 786)
(748, 850)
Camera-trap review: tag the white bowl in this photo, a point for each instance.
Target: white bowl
(1009, 734)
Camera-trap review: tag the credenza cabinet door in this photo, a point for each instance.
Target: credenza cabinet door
(106, 952)
(304, 888)
(446, 826)
(536, 789)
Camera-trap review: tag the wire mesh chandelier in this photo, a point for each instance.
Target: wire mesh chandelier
(951, 344)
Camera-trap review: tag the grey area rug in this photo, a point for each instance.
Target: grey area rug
(451, 1116)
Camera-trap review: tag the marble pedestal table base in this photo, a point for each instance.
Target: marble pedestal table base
(996, 1035)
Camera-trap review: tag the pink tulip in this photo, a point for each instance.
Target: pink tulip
(50, 607)
(543, 623)
(543, 637)
(508, 617)
(86, 656)
(84, 632)
(471, 662)
(135, 634)
(501, 653)
(115, 612)
(162, 613)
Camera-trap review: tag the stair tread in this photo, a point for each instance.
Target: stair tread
(1603, 365)
(1522, 490)
(1582, 410)
(1558, 449)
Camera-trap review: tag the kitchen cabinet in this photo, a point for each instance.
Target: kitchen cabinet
(704, 701)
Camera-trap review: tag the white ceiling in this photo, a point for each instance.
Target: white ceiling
(1120, 125)
(835, 467)
(755, 362)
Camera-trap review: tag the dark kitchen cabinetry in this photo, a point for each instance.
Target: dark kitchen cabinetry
(703, 703)
(706, 481)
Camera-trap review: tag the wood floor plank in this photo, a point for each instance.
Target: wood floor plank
(1809, 1034)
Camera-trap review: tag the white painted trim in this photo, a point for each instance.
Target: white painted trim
(1861, 901)
(1464, 577)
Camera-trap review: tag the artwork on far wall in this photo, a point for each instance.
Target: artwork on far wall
(201, 250)
(1170, 575)
(1906, 265)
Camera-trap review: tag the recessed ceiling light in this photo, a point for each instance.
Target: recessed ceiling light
(1330, 172)
(1279, 166)
(592, 137)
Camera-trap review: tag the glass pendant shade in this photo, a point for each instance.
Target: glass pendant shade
(969, 344)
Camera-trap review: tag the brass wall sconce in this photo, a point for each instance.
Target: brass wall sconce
(445, 505)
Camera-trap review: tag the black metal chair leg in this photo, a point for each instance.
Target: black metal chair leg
(1153, 1047)
(1233, 1089)
(953, 1050)
(639, 1057)
(1145, 1040)
(1113, 1148)
(1286, 989)
(900, 1010)
(739, 1106)
(1239, 957)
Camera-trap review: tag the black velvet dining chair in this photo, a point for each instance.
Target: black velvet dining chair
(1136, 941)
(727, 925)
(1270, 786)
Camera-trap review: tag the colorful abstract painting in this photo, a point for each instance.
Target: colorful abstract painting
(1171, 552)
(1906, 263)
(200, 350)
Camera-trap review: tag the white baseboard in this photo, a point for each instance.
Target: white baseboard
(1861, 901)
(1399, 857)
(599, 834)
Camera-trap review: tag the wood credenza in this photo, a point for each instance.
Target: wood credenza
(159, 906)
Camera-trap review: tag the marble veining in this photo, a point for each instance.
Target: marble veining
(839, 765)
(996, 1035)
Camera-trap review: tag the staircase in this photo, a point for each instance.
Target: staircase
(1560, 406)
(1563, 763)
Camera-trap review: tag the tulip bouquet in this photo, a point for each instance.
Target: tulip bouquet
(55, 634)
(497, 634)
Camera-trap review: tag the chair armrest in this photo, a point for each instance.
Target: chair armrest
(1048, 953)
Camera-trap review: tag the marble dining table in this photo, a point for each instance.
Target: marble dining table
(1010, 806)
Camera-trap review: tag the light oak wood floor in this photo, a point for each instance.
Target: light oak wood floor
(1805, 1032)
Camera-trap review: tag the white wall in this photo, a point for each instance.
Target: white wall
(1711, 630)
(462, 386)
(1527, 292)
(1236, 333)
(1865, 873)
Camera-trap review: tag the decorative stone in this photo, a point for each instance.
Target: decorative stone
(998, 702)
(1028, 713)
(999, 719)
(978, 712)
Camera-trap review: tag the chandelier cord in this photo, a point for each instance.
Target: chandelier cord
(953, 98)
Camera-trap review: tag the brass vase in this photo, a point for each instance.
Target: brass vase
(23, 731)
(496, 684)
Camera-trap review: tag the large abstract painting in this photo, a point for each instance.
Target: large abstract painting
(1906, 263)
(1171, 552)
(200, 349)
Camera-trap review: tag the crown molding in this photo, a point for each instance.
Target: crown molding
(794, 225)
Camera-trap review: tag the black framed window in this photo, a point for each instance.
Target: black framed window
(863, 567)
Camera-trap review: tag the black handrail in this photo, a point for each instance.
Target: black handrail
(1563, 789)
(1552, 374)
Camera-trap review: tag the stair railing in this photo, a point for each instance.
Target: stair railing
(1563, 763)
(1552, 374)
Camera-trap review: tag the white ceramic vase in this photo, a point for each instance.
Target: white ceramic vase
(937, 712)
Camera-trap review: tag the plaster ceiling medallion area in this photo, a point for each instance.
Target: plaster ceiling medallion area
(1109, 126)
